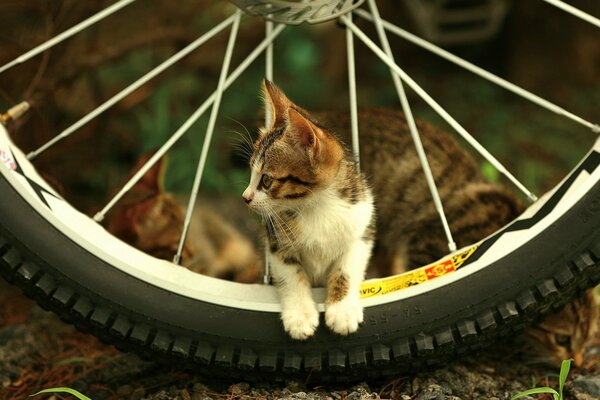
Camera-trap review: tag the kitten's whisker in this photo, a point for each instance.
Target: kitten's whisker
(248, 137)
(238, 122)
(244, 154)
(276, 223)
(286, 228)
(274, 226)
(244, 136)
(240, 138)
(241, 144)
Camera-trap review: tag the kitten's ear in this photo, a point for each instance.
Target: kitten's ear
(153, 180)
(303, 131)
(276, 104)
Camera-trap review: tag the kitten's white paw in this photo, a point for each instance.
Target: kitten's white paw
(300, 322)
(343, 317)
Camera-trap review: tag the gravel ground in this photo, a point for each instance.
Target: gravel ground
(38, 351)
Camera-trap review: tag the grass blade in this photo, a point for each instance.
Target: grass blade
(564, 372)
(536, 391)
(63, 390)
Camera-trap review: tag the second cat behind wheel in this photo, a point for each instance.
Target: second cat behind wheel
(409, 230)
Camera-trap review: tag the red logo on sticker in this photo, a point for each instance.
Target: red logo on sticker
(7, 159)
(439, 269)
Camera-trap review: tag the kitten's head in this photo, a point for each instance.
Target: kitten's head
(566, 334)
(293, 158)
(147, 217)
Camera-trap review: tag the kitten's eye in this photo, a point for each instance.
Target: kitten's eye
(266, 181)
(562, 340)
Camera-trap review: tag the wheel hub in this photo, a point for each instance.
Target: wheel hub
(294, 12)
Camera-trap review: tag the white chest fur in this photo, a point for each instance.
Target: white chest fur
(328, 226)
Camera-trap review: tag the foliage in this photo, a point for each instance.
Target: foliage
(564, 372)
(67, 390)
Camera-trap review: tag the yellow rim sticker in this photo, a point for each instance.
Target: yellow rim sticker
(415, 277)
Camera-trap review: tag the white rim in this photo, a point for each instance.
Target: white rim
(88, 234)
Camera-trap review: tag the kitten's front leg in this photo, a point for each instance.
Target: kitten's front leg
(299, 312)
(343, 311)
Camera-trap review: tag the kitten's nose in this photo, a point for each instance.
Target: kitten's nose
(248, 195)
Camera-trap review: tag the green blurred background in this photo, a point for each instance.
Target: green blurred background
(539, 47)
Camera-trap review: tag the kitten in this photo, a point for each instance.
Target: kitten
(319, 217)
(151, 220)
(564, 335)
(319, 208)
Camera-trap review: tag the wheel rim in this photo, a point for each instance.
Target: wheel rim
(88, 234)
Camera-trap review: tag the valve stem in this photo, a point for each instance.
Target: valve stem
(15, 112)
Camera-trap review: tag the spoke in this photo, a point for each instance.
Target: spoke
(481, 72)
(269, 52)
(189, 122)
(269, 76)
(131, 88)
(353, 97)
(413, 128)
(209, 133)
(575, 11)
(66, 34)
(440, 110)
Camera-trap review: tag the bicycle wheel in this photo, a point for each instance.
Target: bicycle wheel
(72, 266)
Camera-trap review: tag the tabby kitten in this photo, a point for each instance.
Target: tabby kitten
(151, 220)
(319, 217)
(564, 335)
(319, 208)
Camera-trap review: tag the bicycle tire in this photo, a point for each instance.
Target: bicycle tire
(449, 318)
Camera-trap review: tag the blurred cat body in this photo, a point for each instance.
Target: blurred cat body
(151, 220)
(409, 230)
(567, 334)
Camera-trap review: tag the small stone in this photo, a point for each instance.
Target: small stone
(434, 392)
(200, 396)
(161, 395)
(295, 386)
(239, 388)
(361, 386)
(588, 385)
(417, 385)
(361, 394)
(185, 395)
